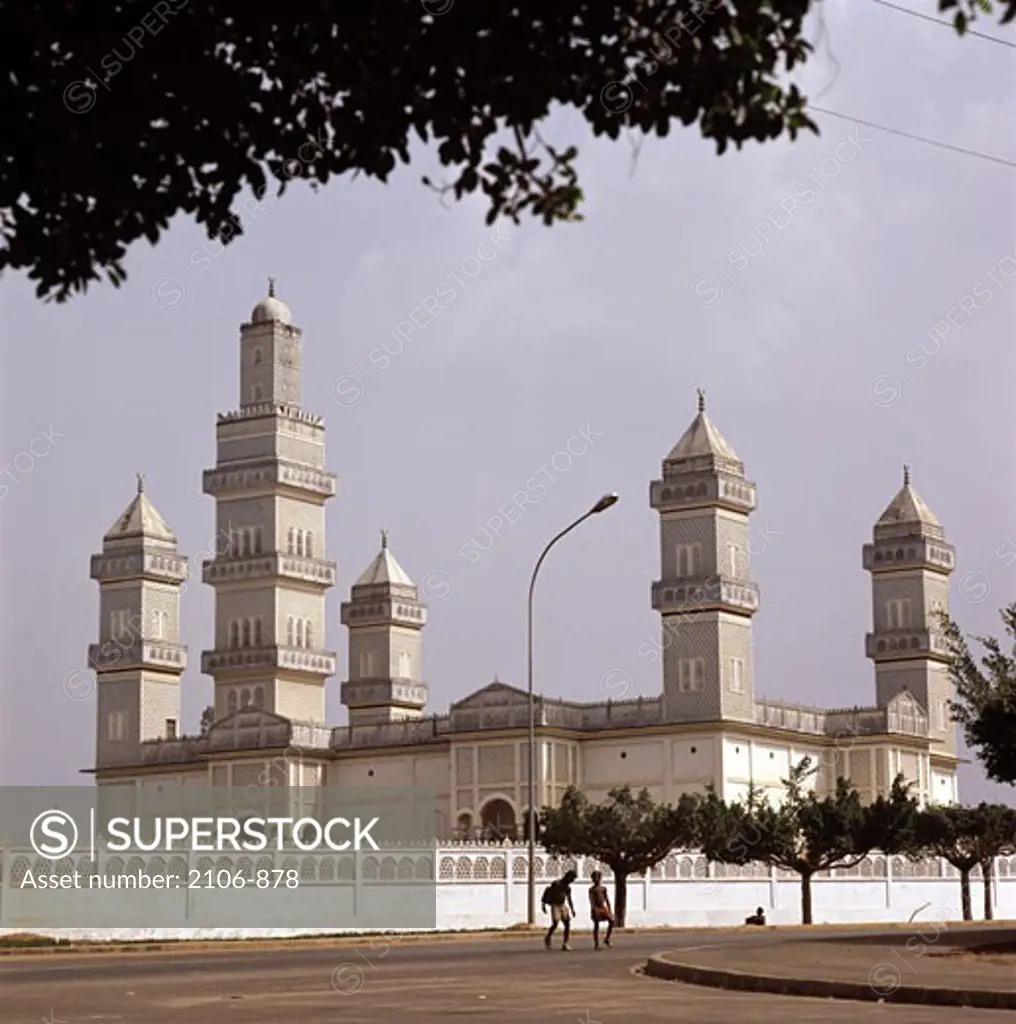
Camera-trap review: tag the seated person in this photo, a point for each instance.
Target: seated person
(759, 917)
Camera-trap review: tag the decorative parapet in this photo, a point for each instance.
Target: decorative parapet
(307, 570)
(135, 652)
(667, 596)
(908, 643)
(623, 713)
(678, 489)
(385, 734)
(269, 473)
(373, 692)
(889, 554)
(876, 721)
(252, 412)
(178, 751)
(295, 659)
(307, 736)
(795, 717)
(164, 565)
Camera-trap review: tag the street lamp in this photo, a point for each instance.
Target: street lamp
(601, 506)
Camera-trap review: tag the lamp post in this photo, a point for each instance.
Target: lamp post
(601, 506)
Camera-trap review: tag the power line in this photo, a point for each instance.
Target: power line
(916, 138)
(948, 24)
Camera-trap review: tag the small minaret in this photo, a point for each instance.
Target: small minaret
(910, 562)
(270, 356)
(139, 658)
(385, 617)
(705, 595)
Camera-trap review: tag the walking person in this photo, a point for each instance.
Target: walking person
(599, 908)
(558, 897)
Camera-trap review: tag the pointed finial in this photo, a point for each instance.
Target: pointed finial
(384, 539)
(701, 400)
(141, 482)
(906, 476)
(271, 287)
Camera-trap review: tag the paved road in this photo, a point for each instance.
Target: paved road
(503, 981)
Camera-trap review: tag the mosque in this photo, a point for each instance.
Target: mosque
(270, 663)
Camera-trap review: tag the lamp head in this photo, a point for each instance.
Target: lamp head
(604, 503)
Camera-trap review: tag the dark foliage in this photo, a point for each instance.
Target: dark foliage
(119, 116)
(985, 702)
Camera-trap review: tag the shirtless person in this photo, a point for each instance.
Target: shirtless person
(599, 908)
(557, 896)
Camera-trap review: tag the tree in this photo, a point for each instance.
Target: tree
(207, 718)
(967, 837)
(630, 834)
(985, 703)
(806, 833)
(175, 107)
(730, 833)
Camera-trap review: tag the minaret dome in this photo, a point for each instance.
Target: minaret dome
(271, 309)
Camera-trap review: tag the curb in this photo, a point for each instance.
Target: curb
(185, 946)
(819, 988)
(339, 941)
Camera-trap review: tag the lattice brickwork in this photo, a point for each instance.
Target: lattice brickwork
(496, 764)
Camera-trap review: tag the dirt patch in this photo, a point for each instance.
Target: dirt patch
(22, 939)
(1002, 954)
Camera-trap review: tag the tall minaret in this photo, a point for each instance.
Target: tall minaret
(139, 657)
(270, 575)
(910, 562)
(705, 595)
(385, 617)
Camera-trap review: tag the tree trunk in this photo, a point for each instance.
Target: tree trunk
(806, 897)
(620, 898)
(965, 893)
(986, 874)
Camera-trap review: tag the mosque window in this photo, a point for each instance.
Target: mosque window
(687, 560)
(119, 623)
(231, 701)
(736, 675)
(898, 613)
(116, 726)
(689, 674)
(258, 356)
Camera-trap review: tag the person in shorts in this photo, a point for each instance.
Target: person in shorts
(599, 909)
(557, 896)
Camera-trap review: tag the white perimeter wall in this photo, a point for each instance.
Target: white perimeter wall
(474, 891)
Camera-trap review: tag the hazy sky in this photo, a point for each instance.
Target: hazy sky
(802, 324)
